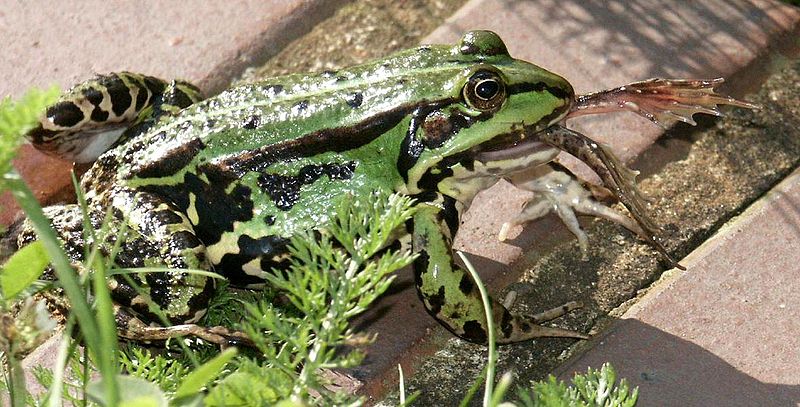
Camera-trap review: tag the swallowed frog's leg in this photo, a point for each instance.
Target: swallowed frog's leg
(659, 100)
(450, 294)
(615, 176)
(94, 115)
(559, 191)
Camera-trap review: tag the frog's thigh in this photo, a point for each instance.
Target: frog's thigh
(157, 230)
(558, 190)
(449, 292)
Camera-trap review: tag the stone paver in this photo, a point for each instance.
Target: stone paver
(726, 331)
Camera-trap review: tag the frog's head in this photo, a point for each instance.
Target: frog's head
(496, 105)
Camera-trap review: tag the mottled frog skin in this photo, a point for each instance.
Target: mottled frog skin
(222, 184)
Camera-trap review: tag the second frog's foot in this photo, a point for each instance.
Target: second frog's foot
(135, 329)
(561, 193)
(661, 101)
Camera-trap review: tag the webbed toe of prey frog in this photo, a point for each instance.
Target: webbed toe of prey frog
(557, 190)
(661, 101)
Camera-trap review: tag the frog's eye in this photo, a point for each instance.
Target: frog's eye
(485, 91)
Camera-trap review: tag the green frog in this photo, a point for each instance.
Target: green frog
(222, 184)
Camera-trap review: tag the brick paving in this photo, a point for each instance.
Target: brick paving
(592, 45)
(726, 331)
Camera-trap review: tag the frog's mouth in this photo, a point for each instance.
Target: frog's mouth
(509, 146)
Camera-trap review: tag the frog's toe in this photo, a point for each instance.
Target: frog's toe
(518, 328)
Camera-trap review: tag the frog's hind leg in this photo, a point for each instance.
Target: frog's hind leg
(450, 294)
(615, 176)
(159, 234)
(66, 220)
(558, 190)
(97, 114)
(659, 100)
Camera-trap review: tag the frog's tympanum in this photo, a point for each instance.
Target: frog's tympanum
(222, 184)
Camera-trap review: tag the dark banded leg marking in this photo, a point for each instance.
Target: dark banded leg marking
(98, 114)
(167, 237)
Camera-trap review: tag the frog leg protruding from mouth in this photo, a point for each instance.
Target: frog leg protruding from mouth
(661, 101)
(615, 176)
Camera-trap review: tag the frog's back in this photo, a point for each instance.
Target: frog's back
(256, 164)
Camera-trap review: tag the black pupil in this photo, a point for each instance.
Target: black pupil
(487, 89)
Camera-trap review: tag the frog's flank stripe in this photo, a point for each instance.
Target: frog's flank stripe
(177, 160)
(338, 139)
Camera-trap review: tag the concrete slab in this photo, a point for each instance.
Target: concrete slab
(207, 43)
(726, 331)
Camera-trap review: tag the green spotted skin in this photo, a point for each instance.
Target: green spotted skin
(224, 183)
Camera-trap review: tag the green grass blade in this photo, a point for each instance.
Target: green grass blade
(64, 272)
(22, 269)
(204, 374)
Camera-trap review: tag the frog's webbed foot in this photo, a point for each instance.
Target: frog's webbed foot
(659, 100)
(526, 327)
(615, 176)
(559, 191)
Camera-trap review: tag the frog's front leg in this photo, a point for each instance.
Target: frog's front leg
(557, 190)
(450, 294)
